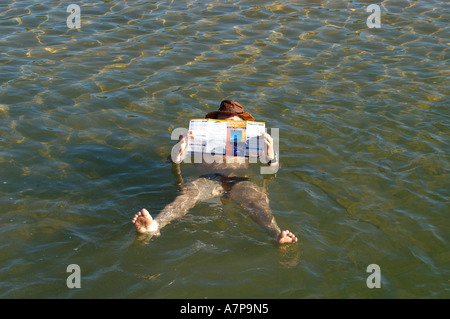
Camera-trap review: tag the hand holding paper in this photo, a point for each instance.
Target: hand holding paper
(268, 141)
(183, 142)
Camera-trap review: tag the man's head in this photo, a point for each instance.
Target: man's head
(231, 117)
(228, 109)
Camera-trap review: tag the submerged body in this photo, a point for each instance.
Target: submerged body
(225, 177)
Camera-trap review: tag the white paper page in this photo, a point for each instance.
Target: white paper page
(254, 130)
(217, 135)
(200, 130)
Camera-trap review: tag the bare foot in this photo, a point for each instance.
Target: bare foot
(144, 223)
(286, 237)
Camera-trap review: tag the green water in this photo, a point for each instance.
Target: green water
(85, 121)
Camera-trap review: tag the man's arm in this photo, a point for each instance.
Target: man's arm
(178, 154)
(269, 156)
(179, 151)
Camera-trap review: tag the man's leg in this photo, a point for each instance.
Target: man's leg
(191, 193)
(255, 200)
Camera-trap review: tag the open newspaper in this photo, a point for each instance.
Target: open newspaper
(224, 137)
